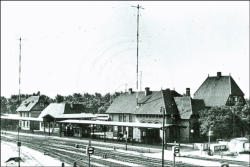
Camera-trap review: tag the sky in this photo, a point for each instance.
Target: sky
(87, 47)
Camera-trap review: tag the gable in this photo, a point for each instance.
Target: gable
(28, 104)
(235, 90)
(214, 91)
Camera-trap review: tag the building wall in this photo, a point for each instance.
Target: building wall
(123, 118)
(184, 132)
(148, 119)
(25, 125)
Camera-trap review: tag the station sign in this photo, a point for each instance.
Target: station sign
(176, 149)
(19, 144)
(210, 133)
(90, 150)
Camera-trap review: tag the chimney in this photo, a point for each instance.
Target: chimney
(38, 93)
(130, 91)
(147, 91)
(187, 91)
(218, 74)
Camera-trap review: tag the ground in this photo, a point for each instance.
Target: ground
(29, 156)
(35, 158)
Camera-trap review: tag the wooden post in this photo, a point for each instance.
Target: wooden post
(49, 128)
(44, 123)
(60, 129)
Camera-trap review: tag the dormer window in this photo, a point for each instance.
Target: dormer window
(26, 104)
(41, 104)
(235, 98)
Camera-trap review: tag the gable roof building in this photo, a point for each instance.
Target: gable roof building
(179, 110)
(31, 107)
(148, 103)
(219, 91)
(65, 111)
(28, 104)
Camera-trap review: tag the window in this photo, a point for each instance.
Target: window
(235, 98)
(130, 118)
(120, 117)
(124, 118)
(41, 104)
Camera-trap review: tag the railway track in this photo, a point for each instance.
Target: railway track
(66, 151)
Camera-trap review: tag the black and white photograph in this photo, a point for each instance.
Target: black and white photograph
(125, 83)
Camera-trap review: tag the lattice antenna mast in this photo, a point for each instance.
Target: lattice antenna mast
(137, 48)
(20, 45)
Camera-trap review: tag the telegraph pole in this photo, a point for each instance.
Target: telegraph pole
(163, 134)
(137, 48)
(19, 97)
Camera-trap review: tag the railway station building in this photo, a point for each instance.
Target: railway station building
(181, 112)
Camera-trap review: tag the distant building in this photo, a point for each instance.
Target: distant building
(220, 91)
(181, 112)
(31, 107)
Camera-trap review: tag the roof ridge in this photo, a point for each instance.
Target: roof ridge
(201, 85)
(149, 97)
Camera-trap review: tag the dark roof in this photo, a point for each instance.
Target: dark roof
(28, 104)
(216, 90)
(188, 106)
(149, 104)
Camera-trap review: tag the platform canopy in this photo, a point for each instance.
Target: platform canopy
(113, 123)
(21, 118)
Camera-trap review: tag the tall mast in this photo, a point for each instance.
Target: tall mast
(19, 97)
(137, 48)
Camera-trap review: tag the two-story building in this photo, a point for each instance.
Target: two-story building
(31, 107)
(146, 107)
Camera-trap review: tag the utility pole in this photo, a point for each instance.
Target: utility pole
(233, 122)
(140, 80)
(137, 48)
(19, 97)
(19, 101)
(163, 134)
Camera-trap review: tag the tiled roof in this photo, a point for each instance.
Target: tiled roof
(188, 106)
(184, 106)
(64, 110)
(28, 104)
(54, 110)
(216, 90)
(125, 103)
(150, 104)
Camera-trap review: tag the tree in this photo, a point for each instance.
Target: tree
(59, 98)
(4, 105)
(225, 121)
